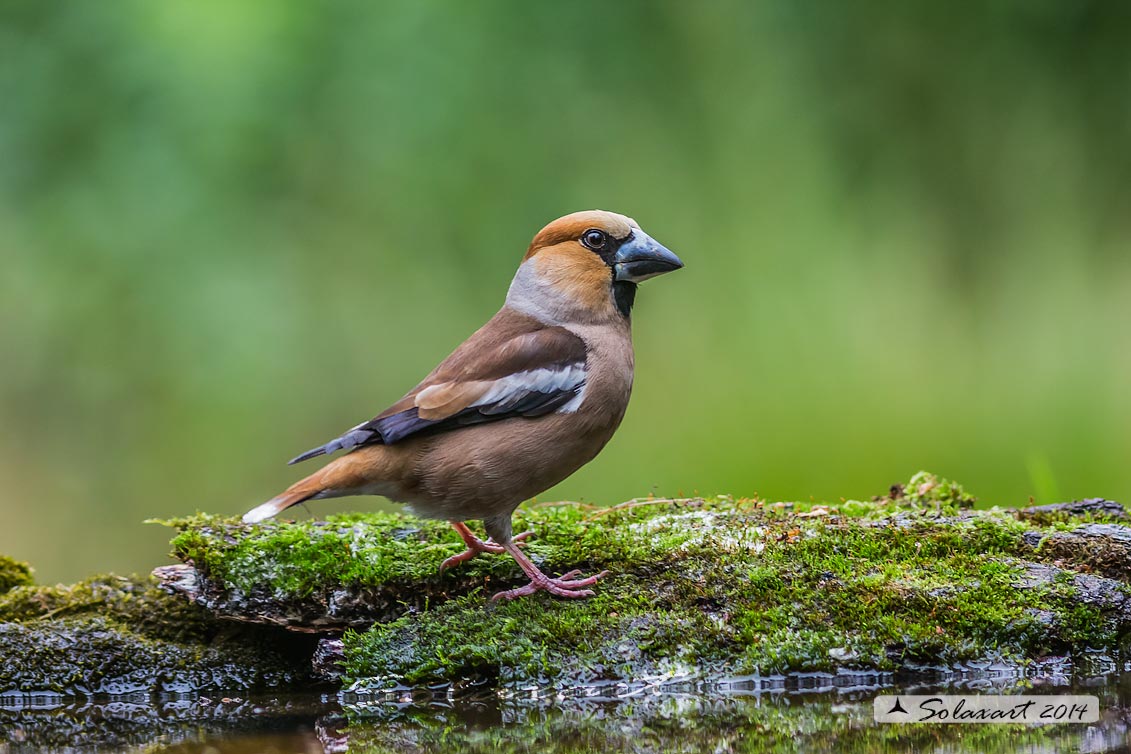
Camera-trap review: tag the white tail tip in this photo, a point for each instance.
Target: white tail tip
(262, 512)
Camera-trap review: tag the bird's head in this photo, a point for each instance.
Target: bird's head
(585, 266)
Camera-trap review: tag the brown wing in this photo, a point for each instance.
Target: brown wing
(514, 366)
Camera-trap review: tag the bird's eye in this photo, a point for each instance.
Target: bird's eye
(594, 239)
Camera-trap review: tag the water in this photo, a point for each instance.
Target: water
(805, 712)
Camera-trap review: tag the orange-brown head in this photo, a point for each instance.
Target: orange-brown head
(585, 267)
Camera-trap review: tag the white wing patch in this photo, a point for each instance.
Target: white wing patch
(574, 404)
(571, 377)
(530, 393)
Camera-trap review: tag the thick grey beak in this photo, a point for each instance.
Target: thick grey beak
(641, 257)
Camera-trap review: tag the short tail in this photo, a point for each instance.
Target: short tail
(304, 489)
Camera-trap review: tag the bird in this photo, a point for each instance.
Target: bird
(529, 398)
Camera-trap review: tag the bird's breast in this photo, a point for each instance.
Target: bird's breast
(609, 365)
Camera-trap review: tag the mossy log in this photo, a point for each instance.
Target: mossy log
(916, 584)
(697, 588)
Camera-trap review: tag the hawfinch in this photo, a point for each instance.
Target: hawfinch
(523, 403)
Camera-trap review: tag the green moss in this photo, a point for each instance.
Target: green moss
(13, 573)
(389, 550)
(1085, 625)
(399, 556)
(1066, 521)
(925, 488)
(696, 586)
(297, 559)
(734, 588)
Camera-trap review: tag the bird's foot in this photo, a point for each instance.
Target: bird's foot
(566, 585)
(475, 546)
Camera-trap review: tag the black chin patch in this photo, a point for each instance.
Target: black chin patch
(624, 295)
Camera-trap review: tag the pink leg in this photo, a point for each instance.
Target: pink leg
(475, 545)
(567, 585)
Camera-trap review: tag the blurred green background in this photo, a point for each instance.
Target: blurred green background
(229, 231)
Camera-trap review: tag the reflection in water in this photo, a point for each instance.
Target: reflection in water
(166, 723)
(806, 712)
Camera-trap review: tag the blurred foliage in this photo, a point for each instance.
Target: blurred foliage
(231, 230)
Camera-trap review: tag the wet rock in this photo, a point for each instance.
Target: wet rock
(1101, 548)
(93, 656)
(330, 610)
(1110, 597)
(1096, 507)
(114, 636)
(329, 658)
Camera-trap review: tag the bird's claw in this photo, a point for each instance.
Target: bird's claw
(455, 560)
(476, 546)
(565, 585)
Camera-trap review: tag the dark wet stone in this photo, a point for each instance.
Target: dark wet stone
(116, 636)
(92, 656)
(328, 611)
(1101, 548)
(328, 658)
(1108, 595)
(1093, 506)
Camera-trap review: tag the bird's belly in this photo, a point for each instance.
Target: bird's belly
(489, 469)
